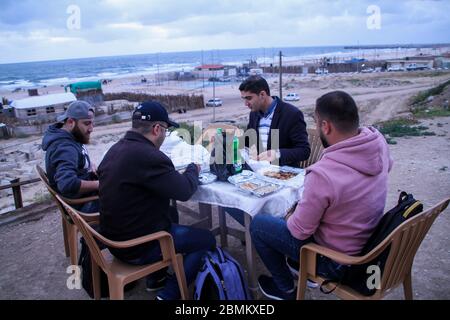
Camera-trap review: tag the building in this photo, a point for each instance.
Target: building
(90, 91)
(406, 64)
(46, 107)
(207, 71)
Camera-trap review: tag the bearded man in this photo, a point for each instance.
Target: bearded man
(69, 169)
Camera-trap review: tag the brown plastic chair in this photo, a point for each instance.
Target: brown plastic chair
(316, 148)
(210, 131)
(404, 241)
(70, 231)
(119, 273)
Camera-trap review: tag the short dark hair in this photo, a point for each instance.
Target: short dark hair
(339, 108)
(142, 126)
(255, 84)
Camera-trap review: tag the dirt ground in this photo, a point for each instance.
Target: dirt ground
(32, 256)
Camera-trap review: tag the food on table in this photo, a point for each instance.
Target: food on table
(280, 175)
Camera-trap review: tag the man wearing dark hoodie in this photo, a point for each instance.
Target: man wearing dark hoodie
(343, 199)
(69, 168)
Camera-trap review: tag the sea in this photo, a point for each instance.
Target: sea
(48, 73)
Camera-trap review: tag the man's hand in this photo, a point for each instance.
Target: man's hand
(269, 155)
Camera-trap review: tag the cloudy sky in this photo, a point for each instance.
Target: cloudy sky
(53, 29)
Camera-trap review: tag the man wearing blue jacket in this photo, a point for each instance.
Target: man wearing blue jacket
(69, 169)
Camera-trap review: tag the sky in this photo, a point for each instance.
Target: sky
(63, 29)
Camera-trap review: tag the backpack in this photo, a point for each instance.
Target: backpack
(84, 261)
(356, 276)
(86, 273)
(221, 278)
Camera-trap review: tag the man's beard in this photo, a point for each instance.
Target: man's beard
(325, 143)
(79, 136)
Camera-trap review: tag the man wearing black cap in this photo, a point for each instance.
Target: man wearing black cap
(137, 181)
(69, 168)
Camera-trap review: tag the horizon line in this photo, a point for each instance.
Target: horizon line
(368, 46)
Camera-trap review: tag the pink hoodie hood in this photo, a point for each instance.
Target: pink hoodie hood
(344, 193)
(363, 153)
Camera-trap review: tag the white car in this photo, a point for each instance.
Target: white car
(321, 71)
(395, 68)
(217, 102)
(291, 97)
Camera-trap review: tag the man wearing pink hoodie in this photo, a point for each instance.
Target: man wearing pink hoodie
(343, 199)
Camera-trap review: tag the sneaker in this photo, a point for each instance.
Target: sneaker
(294, 266)
(270, 289)
(155, 285)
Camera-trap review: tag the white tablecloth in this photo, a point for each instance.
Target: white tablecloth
(226, 194)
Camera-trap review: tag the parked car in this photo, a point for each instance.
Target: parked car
(217, 102)
(367, 70)
(321, 71)
(291, 97)
(395, 68)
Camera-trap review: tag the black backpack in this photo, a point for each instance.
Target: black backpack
(356, 276)
(86, 273)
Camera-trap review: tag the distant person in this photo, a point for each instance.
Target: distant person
(269, 113)
(69, 169)
(137, 181)
(343, 199)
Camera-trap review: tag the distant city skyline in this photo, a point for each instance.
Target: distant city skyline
(70, 29)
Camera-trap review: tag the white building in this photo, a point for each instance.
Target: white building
(45, 107)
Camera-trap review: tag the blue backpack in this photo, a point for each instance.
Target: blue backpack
(221, 278)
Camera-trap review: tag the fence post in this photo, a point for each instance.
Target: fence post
(17, 194)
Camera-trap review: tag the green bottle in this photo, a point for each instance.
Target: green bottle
(237, 162)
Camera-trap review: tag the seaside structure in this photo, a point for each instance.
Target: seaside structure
(46, 107)
(89, 91)
(217, 71)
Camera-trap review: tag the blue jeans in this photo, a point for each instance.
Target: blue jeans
(193, 244)
(274, 242)
(90, 207)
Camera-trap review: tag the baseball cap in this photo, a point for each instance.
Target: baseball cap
(153, 111)
(77, 110)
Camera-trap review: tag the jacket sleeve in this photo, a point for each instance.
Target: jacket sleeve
(316, 199)
(298, 137)
(169, 183)
(65, 160)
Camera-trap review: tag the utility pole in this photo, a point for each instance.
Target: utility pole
(203, 74)
(214, 88)
(281, 78)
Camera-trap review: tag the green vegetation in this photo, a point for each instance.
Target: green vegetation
(430, 113)
(423, 95)
(402, 128)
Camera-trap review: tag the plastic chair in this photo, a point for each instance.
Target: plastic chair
(316, 148)
(120, 273)
(70, 231)
(404, 242)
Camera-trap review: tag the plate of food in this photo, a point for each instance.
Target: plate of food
(287, 176)
(266, 190)
(245, 175)
(250, 185)
(206, 178)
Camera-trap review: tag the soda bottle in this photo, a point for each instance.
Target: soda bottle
(237, 162)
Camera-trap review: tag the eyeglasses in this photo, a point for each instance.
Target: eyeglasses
(166, 129)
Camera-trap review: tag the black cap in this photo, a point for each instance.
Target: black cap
(153, 111)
